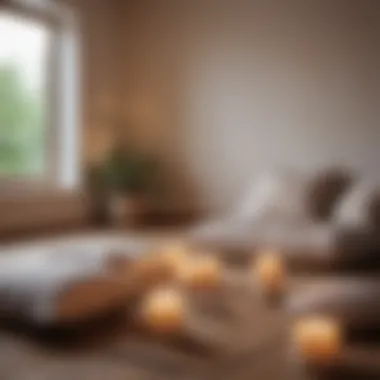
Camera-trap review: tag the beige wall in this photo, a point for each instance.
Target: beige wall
(99, 22)
(223, 89)
(226, 89)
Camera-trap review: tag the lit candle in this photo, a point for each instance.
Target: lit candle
(202, 272)
(270, 273)
(163, 311)
(318, 339)
(174, 257)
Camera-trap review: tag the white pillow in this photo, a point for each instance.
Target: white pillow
(274, 196)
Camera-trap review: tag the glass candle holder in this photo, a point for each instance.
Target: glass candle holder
(163, 310)
(317, 339)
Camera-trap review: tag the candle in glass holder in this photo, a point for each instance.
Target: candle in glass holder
(201, 272)
(174, 257)
(270, 272)
(163, 311)
(317, 339)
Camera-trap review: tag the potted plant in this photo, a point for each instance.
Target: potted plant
(129, 177)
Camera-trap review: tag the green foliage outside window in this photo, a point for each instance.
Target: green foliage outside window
(22, 126)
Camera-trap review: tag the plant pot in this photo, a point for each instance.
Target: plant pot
(126, 210)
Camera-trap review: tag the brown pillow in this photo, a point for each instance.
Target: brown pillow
(360, 207)
(324, 190)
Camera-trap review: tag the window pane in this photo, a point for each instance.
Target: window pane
(23, 83)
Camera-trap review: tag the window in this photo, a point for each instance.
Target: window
(24, 56)
(37, 95)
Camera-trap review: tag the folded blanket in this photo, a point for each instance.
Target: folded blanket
(51, 287)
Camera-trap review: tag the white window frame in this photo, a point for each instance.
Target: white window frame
(63, 123)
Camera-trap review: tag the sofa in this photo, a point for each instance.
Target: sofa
(327, 220)
(326, 227)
